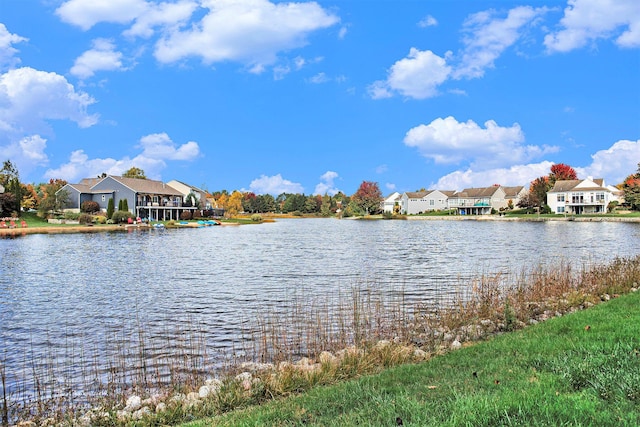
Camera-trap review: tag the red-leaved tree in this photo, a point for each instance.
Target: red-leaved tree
(368, 197)
(562, 172)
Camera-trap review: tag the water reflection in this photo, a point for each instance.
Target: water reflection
(92, 289)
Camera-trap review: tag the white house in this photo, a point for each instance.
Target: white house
(580, 196)
(390, 202)
(187, 189)
(413, 203)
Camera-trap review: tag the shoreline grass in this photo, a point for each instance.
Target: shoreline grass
(580, 370)
(171, 380)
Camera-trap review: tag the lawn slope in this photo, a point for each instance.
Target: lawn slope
(581, 369)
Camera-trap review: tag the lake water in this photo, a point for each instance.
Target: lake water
(60, 290)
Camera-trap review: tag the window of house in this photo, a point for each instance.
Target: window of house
(560, 209)
(155, 199)
(432, 202)
(561, 197)
(577, 197)
(600, 197)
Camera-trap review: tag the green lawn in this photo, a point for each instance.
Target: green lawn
(582, 369)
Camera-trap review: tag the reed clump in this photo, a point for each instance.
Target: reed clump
(139, 379)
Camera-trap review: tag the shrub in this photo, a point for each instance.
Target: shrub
(85, 218)
(121, 216)
(256, 218)
(99, 219)
(110, 208)
(89, 206)
(72, 216)
(185, 216)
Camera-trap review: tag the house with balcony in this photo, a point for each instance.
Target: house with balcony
(412, 203)
(188, 191)
(478, 201)
(581, 196)
(146, 198)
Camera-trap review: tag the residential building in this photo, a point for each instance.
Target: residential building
(581, 196)
(514, 195)
(146, 198)
(412, 203)
(478, 201)
(186, 190)
(390, 202)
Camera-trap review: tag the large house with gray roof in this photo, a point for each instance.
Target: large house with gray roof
(479, 201)
(581, 196)
(146, 198)
(412, 203)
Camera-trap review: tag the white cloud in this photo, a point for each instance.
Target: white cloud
(588, 20)
(416, 76)
(449, 141)
(159, 146)
(327, 185)
(249, 31)
(29, 98)
(102, 57)
(7, 51)
(274, 185)
(343, 32)
(27, 153)
(486, 37)
(512, 176)
(320, 78)
(427, 21)
(390, 186)
(156, 150)
(615, 163)
(165, 15)
(87, 13)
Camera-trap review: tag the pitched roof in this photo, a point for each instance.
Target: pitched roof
(417, 194)
(512, 191)
(140, 185)
(562, 186)
(477, 192)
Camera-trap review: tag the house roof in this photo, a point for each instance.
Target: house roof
(199, 190)
(477, 192)
(562, 186)
(417, 194)
(512, 191)
(140, 185)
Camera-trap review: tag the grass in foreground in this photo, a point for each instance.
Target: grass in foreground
(581, 369)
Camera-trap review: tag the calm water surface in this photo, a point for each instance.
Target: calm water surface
(58, 288)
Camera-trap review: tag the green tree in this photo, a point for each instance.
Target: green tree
(125, 205)
(134, 172)
(10, 180)
(325, 207)
(538, 191)
(53, 198)
(368, 197)
(120, 205)
(110, 208)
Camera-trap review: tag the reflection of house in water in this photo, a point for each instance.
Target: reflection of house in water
(145, 198)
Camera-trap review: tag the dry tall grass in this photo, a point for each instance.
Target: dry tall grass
(365, 329)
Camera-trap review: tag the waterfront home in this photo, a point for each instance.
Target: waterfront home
(581, 196)
(514, 195)
(390, 202)
(412, 203)
(478, 201)
(189, 190)
(145, 198)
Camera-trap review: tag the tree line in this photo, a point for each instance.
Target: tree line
(18, 197)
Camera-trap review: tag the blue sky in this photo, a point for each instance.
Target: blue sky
(316, 97)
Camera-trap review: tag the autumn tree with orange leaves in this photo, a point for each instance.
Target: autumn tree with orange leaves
(631, 189)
